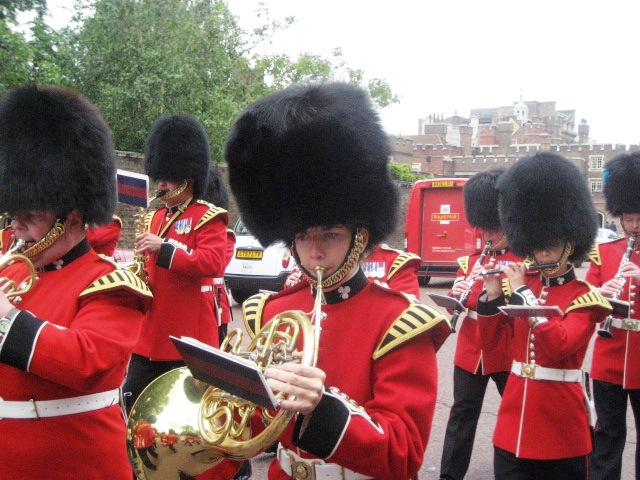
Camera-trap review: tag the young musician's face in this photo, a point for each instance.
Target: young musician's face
(494, 236)
(631, 223)
(551, 254)
(326, 247)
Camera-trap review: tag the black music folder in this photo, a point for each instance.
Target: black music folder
(447, 302)
(529, 311)
(620, 308)
(235, 375)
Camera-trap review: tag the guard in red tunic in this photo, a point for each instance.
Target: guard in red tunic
(615, 367)
(104, 238)
(543, 425)
(186, 244)
(308, 166)
(474, 366)
(66, 342)
(395, 268)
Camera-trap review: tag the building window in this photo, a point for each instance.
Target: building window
(596, 185)
(595, 162)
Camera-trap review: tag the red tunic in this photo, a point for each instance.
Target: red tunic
(181, 275)
(398, 269)
(469, 353)
(617, 359)
(6, 239)
(221, 292)
(395, 383)
(544, 419)
(82, 346)
(104, 239)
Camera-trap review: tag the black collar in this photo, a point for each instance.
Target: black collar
(172, 210)
(566, 277)
(76, 252)
(347, 290)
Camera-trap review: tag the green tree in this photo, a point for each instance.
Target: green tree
(402, 172)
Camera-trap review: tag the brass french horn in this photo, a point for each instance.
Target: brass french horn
(180, 427)
(13, 290)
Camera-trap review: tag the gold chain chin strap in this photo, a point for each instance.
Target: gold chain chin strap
(181, 188)
(565, 256)
(350, 261)
(499, 243)
(45, 242)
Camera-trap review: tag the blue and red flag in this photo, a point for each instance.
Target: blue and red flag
(133, 188)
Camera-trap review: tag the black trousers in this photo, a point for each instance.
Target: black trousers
(506, 466)
(611, 430)
(141, 373)
(468, 395)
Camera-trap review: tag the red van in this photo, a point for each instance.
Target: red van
(436, 228)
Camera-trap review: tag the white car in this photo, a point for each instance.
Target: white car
(606, 235)
(254, 268)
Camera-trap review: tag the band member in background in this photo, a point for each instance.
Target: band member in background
(315, 157)
(186, 243)
(65, 343)
(543, 425)
(104, 238)
(473, 367)
(615, 368)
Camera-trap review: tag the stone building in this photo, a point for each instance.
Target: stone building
(496, 137)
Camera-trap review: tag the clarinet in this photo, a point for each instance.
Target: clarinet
(605, 331)
(465, 295)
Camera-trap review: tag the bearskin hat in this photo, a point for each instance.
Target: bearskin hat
(481, 199)
(177, 149)
(312, 155)
(622, 184)
(56, 154)
(544, 199)
(216, 191)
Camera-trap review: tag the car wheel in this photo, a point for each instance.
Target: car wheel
(241, 295)
(424, 281)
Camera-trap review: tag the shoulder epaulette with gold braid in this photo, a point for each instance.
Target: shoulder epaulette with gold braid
(529, 261)
(252, 313)
(209, 214)
(416, 319)
(464, 263)
(506, 288)
(119, 278)
(401, 260)
(594, 255)
(589, 299)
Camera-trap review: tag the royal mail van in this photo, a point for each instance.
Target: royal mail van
(436, 228)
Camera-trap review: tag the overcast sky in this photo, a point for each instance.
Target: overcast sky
(450, 56)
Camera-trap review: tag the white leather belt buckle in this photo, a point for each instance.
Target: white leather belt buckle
(299, 468)
(218, 281)
(536, 372)
(629, 324)
(56, 408)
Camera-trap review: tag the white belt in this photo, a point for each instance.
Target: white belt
(58, 408)
(299, 468)
(626, 324)
(472, 314)
(536, 372)
(206, 288)
(218, 281)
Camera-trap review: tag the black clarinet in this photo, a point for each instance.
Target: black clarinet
(605, 331)
(465, 294)
(528, 268)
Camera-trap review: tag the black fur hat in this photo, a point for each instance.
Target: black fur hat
(481, 199)
(216, 192)
(177, 149)
(622, 184)
(312, 155)
(543, 199)
(56, 154)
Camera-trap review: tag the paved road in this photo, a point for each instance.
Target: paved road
(482, 460)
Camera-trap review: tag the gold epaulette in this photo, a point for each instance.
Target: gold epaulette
(594, 255)
(464, 263)
(209, 214)
(416, 319)
(506, 287)
(529, 261)
(252, 313)
(589, 299)
(119, 278)
(118, 219)
(401, 260)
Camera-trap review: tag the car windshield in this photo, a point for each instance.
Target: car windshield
(241, 229)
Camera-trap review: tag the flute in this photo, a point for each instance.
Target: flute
(528, 268)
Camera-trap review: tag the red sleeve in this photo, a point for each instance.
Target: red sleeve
(104, 239)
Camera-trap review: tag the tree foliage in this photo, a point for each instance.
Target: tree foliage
(139, 59)
(402, 172)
